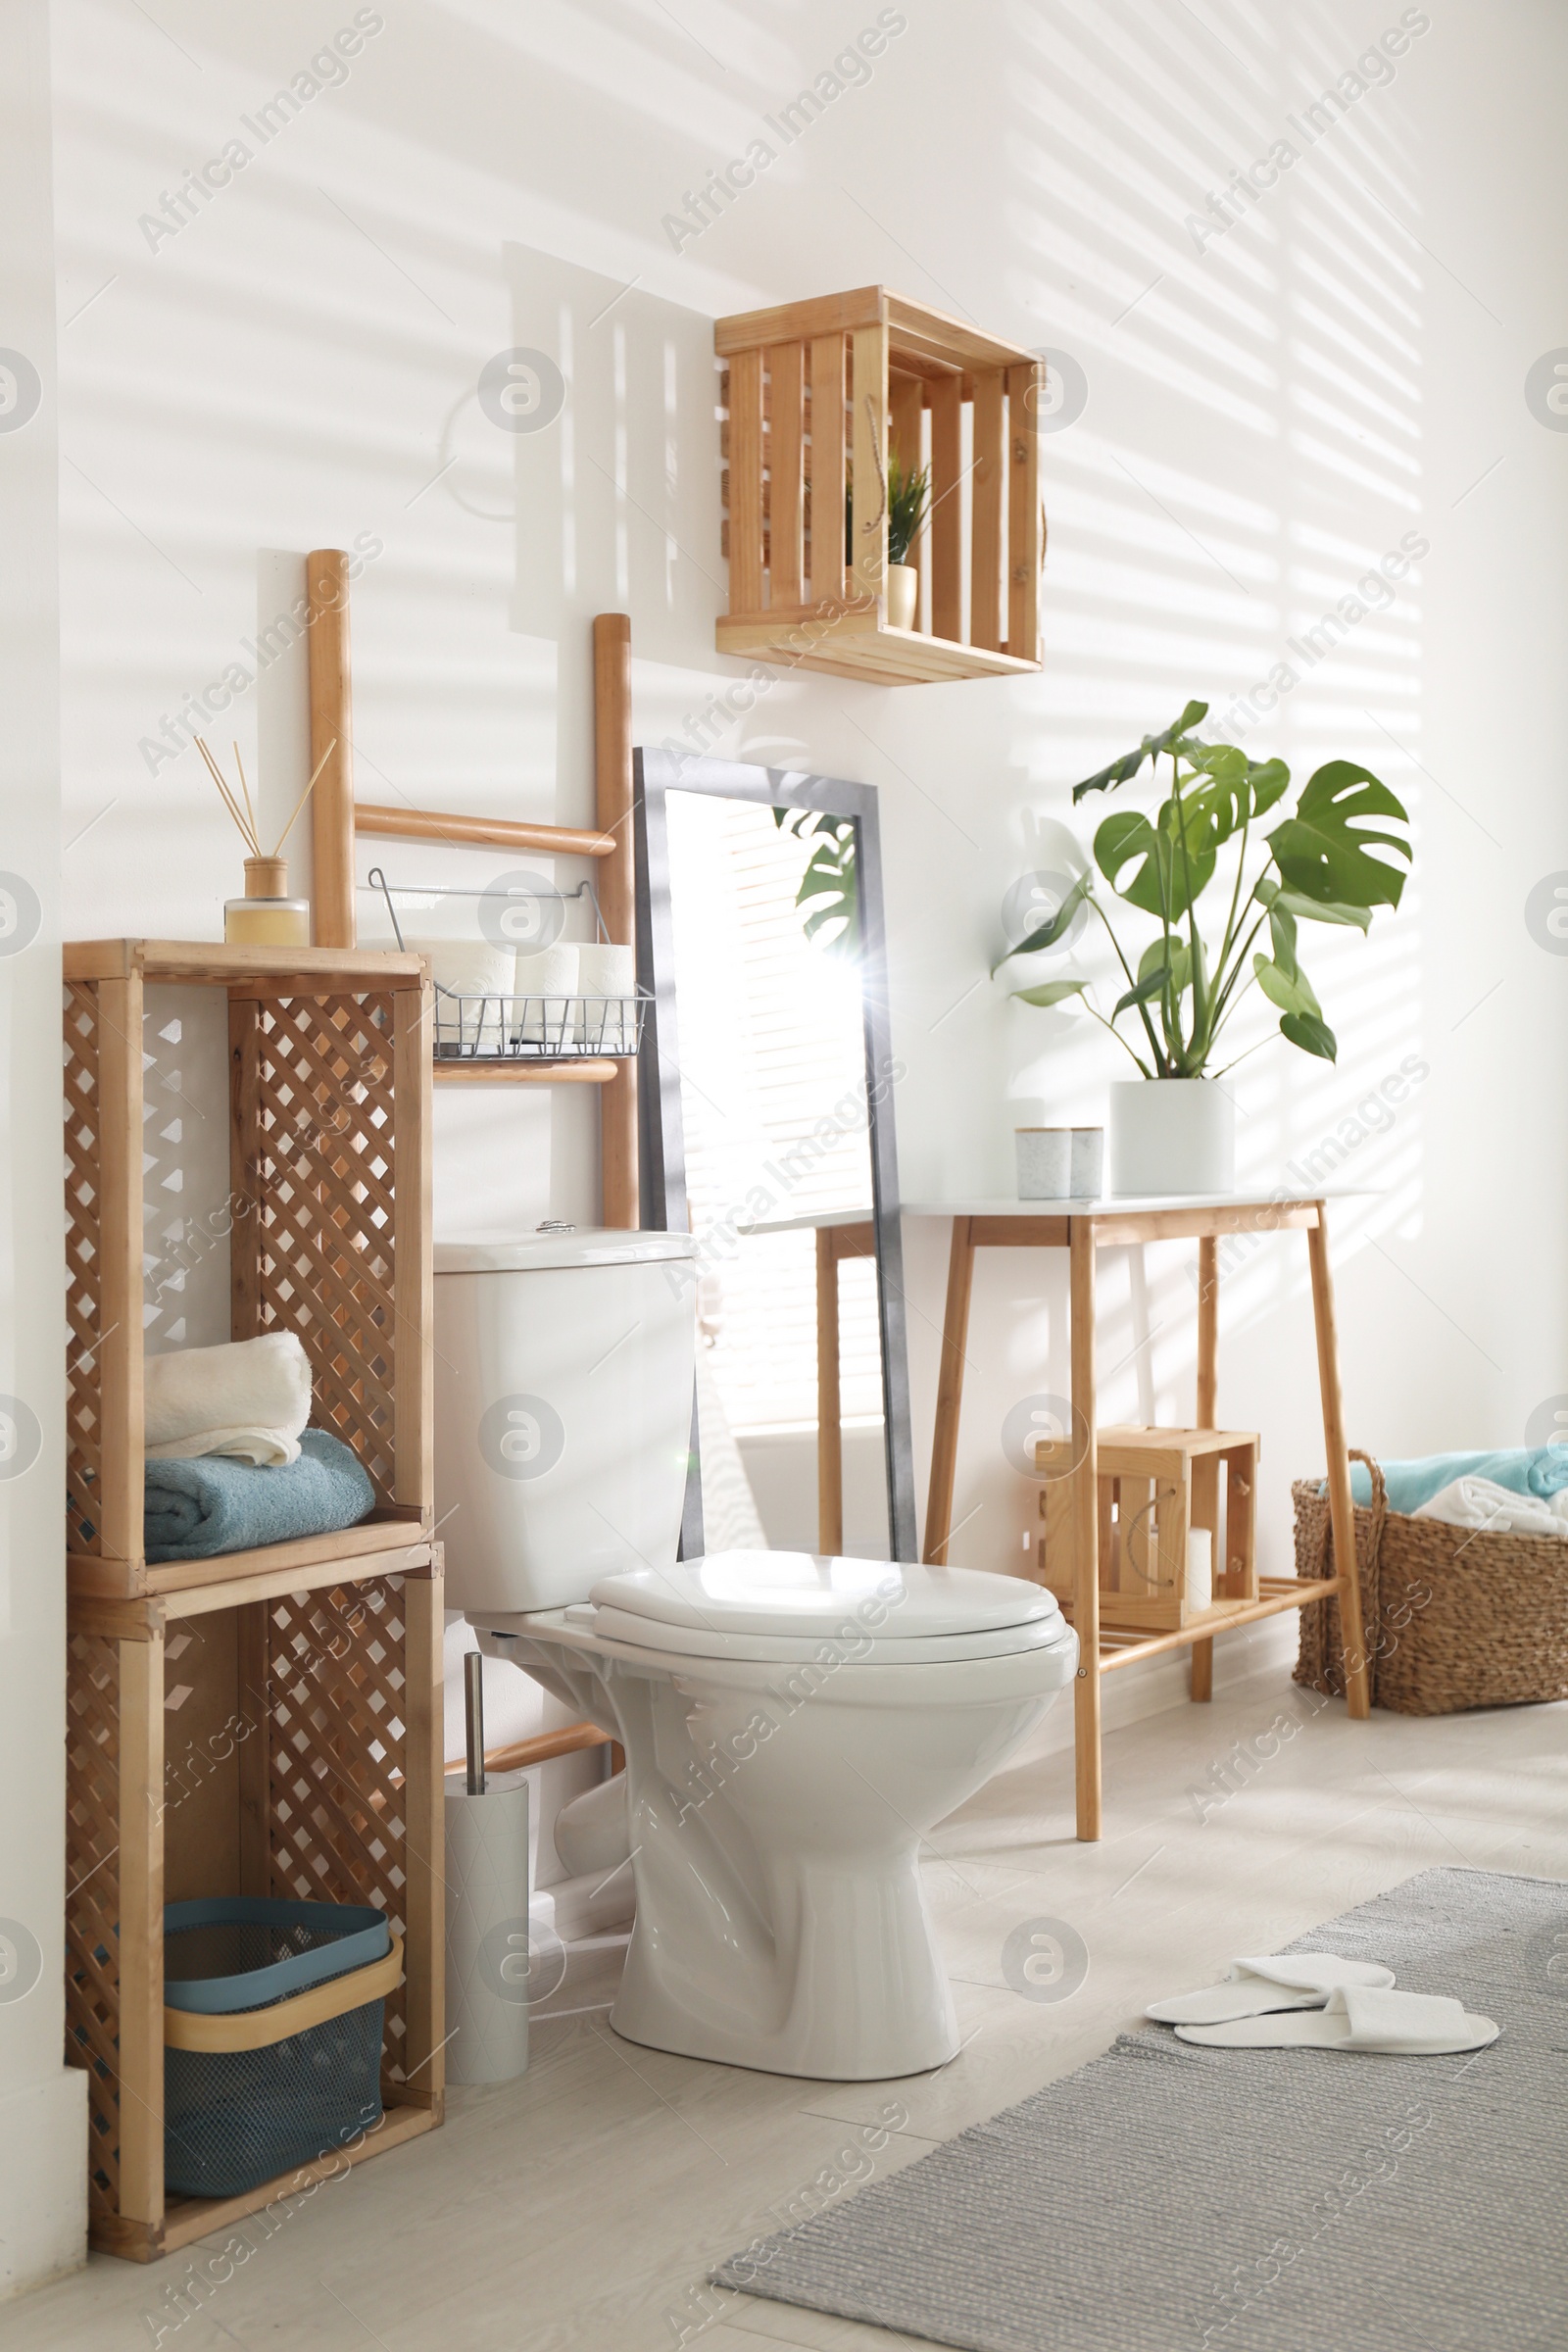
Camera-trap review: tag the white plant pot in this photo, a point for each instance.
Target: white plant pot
(903, 594)
(1172, 1134)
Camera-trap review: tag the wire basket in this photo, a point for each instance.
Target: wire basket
(537, 1028)
(272, 2030)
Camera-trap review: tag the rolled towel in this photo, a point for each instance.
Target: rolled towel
(1480, 1502)
(543, 980)
(1522, 1469)
(252, 1395)
(197, 1509)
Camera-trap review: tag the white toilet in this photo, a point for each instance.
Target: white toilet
(793, 1726)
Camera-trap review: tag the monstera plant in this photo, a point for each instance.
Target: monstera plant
(1314, 864)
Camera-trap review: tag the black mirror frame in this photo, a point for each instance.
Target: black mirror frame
(662, 1147)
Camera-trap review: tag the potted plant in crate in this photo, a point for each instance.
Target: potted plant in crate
(908, 495)
(1173, 1128)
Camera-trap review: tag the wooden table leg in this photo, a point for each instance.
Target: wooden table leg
(1202, 1660)
(1341, 1510)
(829, 1411)
(1086, 1530)
(950, 1392)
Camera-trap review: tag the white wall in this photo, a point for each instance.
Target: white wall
(1265, 417)
(43, 2174)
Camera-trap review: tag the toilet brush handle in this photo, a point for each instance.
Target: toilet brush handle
(474, 1719)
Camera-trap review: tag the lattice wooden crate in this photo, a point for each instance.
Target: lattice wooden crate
(1154, 1487)
(221, 1744)
(327, 1226)
(818, 392)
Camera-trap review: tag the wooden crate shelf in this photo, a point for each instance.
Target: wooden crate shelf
(266, 1722)
(232, 1741)
(818, 393)
(1154, 1486)
(328, 1220)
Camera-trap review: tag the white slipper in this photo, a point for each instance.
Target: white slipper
(1406, 2025)
(1278, 1981)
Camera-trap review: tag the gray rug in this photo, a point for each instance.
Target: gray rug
(1167, 2198)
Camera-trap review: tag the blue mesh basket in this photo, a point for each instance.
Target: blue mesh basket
(272, 2024)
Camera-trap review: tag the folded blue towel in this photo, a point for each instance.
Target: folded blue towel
(197, 1509)
(1523, 1470)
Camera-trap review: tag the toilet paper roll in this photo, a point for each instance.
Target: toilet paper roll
(478, 977)
(608, 974)
(542, 979)
(489, 1952)
(1199, 1568)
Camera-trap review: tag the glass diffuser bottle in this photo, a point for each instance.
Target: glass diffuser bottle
(267, 917)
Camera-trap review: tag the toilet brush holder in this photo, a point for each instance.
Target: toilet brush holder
(487, 1912)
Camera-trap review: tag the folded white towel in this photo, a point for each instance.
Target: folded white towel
(1480, 1502)
(262, 1447)
(250, 1398)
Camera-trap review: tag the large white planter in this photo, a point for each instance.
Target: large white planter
(1172, 1134)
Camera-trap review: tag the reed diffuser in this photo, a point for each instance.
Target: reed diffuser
(266, 917)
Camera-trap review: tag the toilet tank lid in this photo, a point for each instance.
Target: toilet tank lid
(797, 1592)
(529, 1252)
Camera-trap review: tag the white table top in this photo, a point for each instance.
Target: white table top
(1102, 1205)
(1118, 1204)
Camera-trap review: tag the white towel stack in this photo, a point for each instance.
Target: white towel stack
(250, 1398)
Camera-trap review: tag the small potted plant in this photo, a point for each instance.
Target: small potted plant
(1173, 1128)
(908, 496)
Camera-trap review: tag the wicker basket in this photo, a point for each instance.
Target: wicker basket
(1453, 1618)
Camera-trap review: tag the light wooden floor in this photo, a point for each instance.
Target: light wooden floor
(578, 2210)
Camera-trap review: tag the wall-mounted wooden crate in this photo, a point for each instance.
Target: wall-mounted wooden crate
(1154, 1486)
(815, 390)
(268, 1736)
(327, 1226)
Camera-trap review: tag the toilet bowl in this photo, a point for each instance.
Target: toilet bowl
(793, 1726)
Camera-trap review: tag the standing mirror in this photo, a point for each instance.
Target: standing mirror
(766, 1088)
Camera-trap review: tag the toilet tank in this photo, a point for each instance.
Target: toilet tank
(563, 1369)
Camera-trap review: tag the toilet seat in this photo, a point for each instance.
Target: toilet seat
(674, 1643)
(787, 1607)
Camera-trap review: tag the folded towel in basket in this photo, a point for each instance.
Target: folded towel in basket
(1495, 1510)
(195, 1509)
(1523, 1470)
(248, 1397)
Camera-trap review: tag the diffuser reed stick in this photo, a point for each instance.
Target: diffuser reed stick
(247, 822)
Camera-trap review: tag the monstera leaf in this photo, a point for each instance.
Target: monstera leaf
(1166, 881)
(1272, 894)
(1050, 992)
(1323, 849)
(1239, 788)
(1046, 934)
(1153, 747)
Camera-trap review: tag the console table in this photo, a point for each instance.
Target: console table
(1081, 1227)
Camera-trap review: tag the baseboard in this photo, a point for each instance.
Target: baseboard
(43, 2182)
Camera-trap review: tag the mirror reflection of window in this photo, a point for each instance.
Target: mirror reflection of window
(773, 1054)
